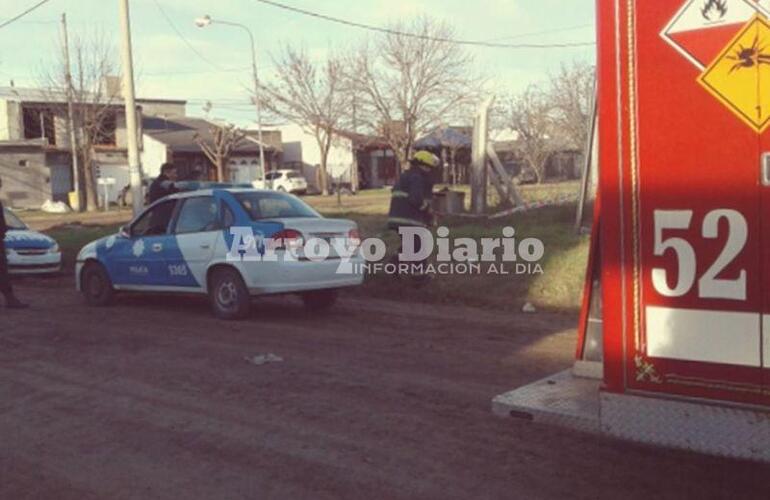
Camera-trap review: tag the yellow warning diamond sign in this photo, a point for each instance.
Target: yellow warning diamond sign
(740, 76)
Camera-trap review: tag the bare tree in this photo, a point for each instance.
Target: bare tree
(530, 115)
(311, 96)
(97, 104)
(409, 85)
(219, 146)
(572, 94)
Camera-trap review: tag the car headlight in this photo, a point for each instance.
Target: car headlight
(54, 248)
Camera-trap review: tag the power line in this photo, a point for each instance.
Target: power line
(390, 31)
(193, 72)
(544, 32)
(185, 40)
(19, 16)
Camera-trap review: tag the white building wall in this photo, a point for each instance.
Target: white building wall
(10, 121)
(5, 129)
(301, 147)
(154, 154)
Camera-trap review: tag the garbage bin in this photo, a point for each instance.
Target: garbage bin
(449, 202)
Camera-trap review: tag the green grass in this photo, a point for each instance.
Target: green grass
(72, 238)
(559, 288)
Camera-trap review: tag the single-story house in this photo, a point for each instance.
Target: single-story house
(173, 140)
(376, 164)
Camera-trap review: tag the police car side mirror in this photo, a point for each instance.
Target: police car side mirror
(124, 232)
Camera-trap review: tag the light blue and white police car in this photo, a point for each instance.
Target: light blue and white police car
(27, 251)
(229, 243)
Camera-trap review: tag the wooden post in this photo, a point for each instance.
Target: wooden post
(479, 159)
(511, 193)
(589, 160)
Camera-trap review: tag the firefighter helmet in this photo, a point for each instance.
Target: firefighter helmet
(426, 159)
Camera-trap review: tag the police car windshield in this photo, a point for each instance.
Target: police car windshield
(263, 205)
(12, 221)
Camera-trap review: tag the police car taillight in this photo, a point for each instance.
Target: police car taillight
(288, 239)
(354, 239)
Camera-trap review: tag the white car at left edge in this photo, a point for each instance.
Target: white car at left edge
(28, 251)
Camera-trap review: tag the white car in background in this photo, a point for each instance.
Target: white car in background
(284, 180)
(27, 251)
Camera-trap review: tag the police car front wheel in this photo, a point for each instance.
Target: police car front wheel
(96, 285)
(229, 296)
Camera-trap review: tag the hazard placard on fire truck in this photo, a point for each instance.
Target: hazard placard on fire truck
(722, 18)
(735, 77)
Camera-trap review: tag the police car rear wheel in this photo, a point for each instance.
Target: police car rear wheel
(229, 296)
(320, 300)
(96, 285)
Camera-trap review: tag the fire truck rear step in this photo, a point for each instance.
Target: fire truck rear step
(562, 399)
(573, 399)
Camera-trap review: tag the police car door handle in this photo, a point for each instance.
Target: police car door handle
(205, 246)
(765, 168)
(157, 247)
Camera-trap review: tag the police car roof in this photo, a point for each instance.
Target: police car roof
(210, 191)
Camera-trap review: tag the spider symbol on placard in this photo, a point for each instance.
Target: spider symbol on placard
(749, 57)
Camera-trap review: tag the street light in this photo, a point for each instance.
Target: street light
(205, 21)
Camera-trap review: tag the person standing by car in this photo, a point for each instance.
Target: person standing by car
(11, 302)
(411, 201)
(164, 184)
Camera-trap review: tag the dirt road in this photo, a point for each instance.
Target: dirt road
(153, 398)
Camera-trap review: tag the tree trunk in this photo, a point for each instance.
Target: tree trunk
(354, 181)
(323, 178)
(324, 139)
(92, 202)
(220, 170)
(539, 171)
(402, 155)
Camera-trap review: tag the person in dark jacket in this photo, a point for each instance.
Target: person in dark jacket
(11, 302)
(164, 184)
(410, 203)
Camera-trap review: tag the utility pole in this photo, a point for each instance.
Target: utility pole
(479, 177)
(258, 104)
(134, 165)
(77, 202)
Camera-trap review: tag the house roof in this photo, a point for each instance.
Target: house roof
(457, 137)
(38, 143)
(48, 95)
(363, 140)
(41, 95)
(141, 100)
(179, 134)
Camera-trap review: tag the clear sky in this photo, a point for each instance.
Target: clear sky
(167, 67)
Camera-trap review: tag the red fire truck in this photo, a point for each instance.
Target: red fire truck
(678, 354)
